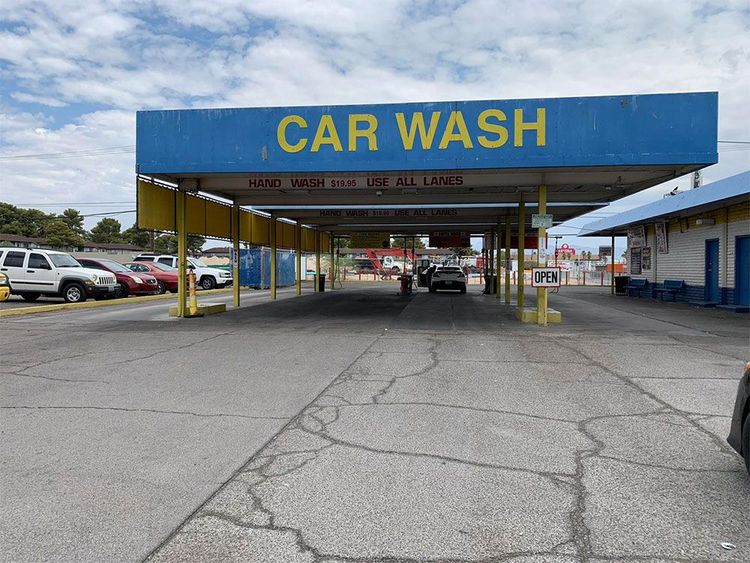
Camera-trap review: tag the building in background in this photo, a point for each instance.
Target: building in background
(700, 237)
(114, 250)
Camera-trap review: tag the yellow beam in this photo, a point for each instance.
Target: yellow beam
(612, 273)
(236, 214)
(181, 228)
(298, 256)
(541, 292)
(507, 260)
(317, 259)
(499, 255)
(521, 250)
(333, 264)
(273, 258)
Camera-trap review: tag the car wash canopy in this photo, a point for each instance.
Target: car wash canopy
(468, 160)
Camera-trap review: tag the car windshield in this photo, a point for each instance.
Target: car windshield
(64, 261)
(162, 267)
(450, 270)
(197, 263)
(114, 266)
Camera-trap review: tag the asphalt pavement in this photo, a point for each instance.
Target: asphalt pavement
(357, 426)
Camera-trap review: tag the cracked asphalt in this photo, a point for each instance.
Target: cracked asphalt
(357, 426)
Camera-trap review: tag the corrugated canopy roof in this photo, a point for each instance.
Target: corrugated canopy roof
(723, 192)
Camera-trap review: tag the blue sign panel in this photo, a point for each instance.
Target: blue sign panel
(638, 130)
(255, 268)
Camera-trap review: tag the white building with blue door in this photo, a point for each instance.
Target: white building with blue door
(700, 237)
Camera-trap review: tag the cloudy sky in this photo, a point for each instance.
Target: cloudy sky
(73, 72)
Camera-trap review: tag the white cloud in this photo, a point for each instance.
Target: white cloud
(121, 56)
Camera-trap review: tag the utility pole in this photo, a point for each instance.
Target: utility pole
(556, 237)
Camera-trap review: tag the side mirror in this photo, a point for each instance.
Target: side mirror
(190, 266)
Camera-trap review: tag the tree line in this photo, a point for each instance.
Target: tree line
(67, 229)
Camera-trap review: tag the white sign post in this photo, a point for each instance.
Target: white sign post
(539, 221)
(542, 252)
(545, 277)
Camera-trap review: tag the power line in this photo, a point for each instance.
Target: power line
(109, 213)
(102, 151)
(80, 204)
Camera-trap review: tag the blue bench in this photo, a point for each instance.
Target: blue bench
(670, 287)
(636, 285)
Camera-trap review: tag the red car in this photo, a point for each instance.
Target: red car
(128, 282)
(166, 276)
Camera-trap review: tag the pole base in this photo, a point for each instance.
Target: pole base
(203, 310)
(529, 315)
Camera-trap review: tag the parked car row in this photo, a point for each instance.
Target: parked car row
(32, 273)
(205, 276)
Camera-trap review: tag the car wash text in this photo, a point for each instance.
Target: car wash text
(492, 129)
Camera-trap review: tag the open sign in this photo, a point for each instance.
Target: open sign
(545, 277)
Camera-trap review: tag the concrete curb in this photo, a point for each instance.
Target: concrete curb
(21, 311)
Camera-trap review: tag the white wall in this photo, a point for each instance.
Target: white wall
(687, 242)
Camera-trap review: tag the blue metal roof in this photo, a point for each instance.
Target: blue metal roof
(616, 131)
(728, 188)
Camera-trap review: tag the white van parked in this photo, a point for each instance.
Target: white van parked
(34, 272)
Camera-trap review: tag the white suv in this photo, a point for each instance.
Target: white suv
(206, 276)
(448, 277)
(34, 272)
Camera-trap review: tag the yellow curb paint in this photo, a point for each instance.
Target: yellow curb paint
(95, 304)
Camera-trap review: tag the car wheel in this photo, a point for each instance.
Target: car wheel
(463, 289)
(172, 291)
(122, 290)
(74, 293)
(30, 296)
(162, 287)
(432, 289)
(207, 282)
(746, 442)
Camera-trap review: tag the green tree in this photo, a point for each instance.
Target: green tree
(398, 242)
(464, 251)
(166, 244)
(26, 222)
(73, 219)
(107, 230)
(195, 244)
(59, 235)
(136, 236)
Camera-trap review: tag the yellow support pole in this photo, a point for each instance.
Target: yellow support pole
(499, 256)
(236, 255)
(298, 256)
(541, 292)
(317, 259)
(612, 274)
(272, 222)
(181, 226)
(521, 250)
(507, 260)
(333, 265)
